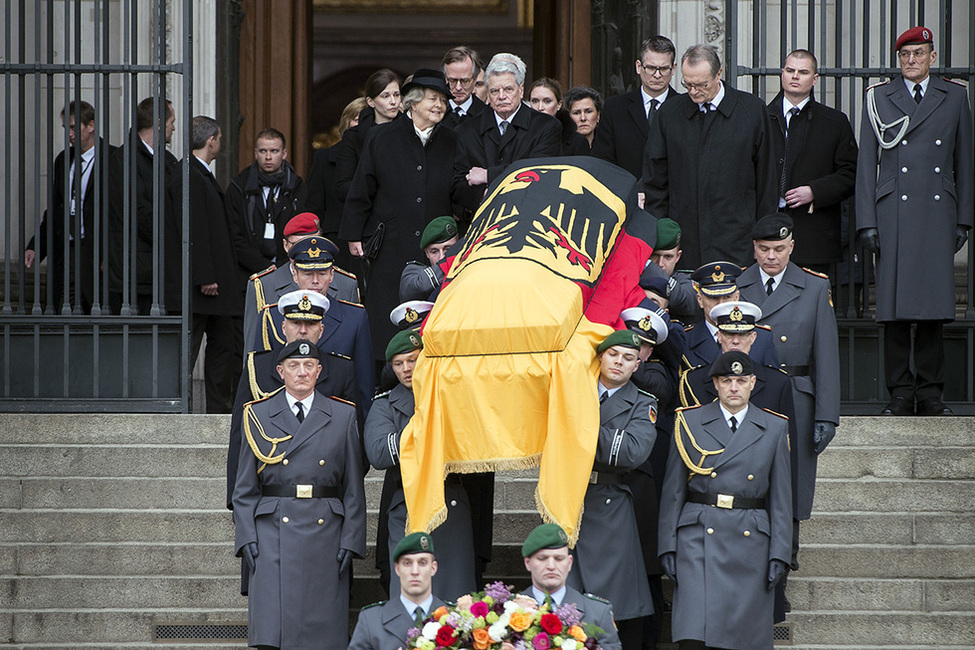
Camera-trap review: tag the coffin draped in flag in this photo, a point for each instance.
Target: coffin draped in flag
(507, 376)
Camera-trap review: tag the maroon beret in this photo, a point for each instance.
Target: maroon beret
(305, 223)
(914, 36)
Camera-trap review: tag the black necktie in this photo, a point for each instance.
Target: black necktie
(917, 93)
(785, 158)
(301, 412)
(769, 287)
(602, 398)
(653, 109)
(733, 423)
(459, 111)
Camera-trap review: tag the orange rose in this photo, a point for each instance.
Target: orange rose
(440, 611)
(520, 621)
(576, 633)
(482, 640)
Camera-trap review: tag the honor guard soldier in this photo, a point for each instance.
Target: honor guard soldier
(345, 328)
(726, 515)
(914, 203)
(390, 413)
(419, 280)
(626, 435)
(547, 558)
(384, 626)
(303, 312)
(681, 298)
(717, 283)
(299, 509)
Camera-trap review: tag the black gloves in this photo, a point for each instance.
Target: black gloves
(249, 552)
(776, 571)
(823, 433)
(871, 240)
(344, 559)
(668, 562)
(961, 236)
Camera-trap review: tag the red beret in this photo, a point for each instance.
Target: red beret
(305, 223)
(914, 36)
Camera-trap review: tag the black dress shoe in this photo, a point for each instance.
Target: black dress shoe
(933, 406)
(899, 406)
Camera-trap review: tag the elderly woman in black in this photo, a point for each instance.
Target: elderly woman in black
(401, 184)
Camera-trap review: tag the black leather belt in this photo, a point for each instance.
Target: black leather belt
(796, 371)
(605, 478)
(726, 501)
(302, 491)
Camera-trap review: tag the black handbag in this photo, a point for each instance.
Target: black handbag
(372, 243)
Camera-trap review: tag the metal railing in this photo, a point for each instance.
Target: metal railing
(62, 347)
(853, 40)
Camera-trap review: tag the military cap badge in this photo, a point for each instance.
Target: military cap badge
(736, 367)
(736, 314)
(645, 324)
(411, 315)
(718, 275)
(304, 348)
(414, 340)
(424, 543)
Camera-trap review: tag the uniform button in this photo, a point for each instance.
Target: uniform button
(903, 197)
(321, 521)
(751, 477)
(321, 462)
(938, 142)
(937, 170)
(453, 502)
(903, 142)
(714, 475)
(903, 170)
(783, 338)
(285, 519)
(608, 501)
(710, 531)
(419, 199)
(937, 197)
(419, 167)
(417, 233)
(284, 462)
(747, 533)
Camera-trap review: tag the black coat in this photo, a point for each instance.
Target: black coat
(86, 247)
(350, 150)
(246, 213)
(323, 199)
(480, 144)
(622, 132)
(822, 154)
(711, 173)
(403, 185)
(452, 122)
(140, 219)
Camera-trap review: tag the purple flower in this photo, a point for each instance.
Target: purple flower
(499, 591)
(480, 608)
(412, 635)
(541, 642)
(568, 614)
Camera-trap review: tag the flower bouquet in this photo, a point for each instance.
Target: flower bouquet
(497, 619)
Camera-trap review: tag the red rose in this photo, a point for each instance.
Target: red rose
(446, 636)
(551, 623)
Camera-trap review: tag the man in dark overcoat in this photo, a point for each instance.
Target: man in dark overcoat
(914, 203)
(510, 131)
(388, 417)
(726, 515)
(299, 510)
(708, 163)
(461, 67)
(815, 162)
(626, 436)
(623, 125)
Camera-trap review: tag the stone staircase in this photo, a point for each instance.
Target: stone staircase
(113, 534)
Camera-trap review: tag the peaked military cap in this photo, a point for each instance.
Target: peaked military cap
(732, 364)
(544, 536)
(717, 279)
(413, 543)
(410, 314)
(403, 342)
(734, 317)
(772, 227)
(438, 231)
(624, 338)
(646, 324)
(313, 253)
(299, 349)
(303, 305)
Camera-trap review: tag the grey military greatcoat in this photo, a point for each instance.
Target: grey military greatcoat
(608, 555)
(593, 610)
(723, 554)
(916, 194)
(297, 599)
(384, 626)
(454, 540)
(804, 330)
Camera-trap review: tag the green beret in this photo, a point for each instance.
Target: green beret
(668, 234)
(414, 543)
(626, 338)
(438, 231)
(405, 341)
(544, 536)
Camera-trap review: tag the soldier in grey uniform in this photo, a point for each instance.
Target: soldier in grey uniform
(420, 281)
(548, 560)
(390, 413)
(914, 211)
(626, 436)
(299, 509)
(384, 626)
(267, 286)
(725, 515)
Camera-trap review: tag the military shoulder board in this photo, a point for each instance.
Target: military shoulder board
(263, 273)
(784, 417)
(344, 401)
(688, 328)
(353, 304)
(598, 599)
(816, 273)
(878, 84)
(957, 82)
(764, 327)
(379, 604)
(380, 395)
(779, 369)
(350, 275)
(340, 356)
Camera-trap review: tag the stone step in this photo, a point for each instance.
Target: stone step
(893, 495)
(117, 429)
(111, 560)
(144, 592)
(871, 431)
(867, 594)
(108, 460)
(115, 626)
(175, 645)
(870, 561)
(941, 462)
(888, 528)
(176, 526)
(902, 629)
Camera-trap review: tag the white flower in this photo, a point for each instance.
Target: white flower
(498, 631)
(430, 631)
(569, 644)
(510, 606)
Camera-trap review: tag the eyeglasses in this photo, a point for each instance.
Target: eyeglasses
(693, 87)
(654, 70)
(459, 82)
(907, 55)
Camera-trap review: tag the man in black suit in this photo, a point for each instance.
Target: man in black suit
(461, 67)
(622, 131)
(81, 234)
(138, 271)
(708, 163)
(510, 131)
(815, 162)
